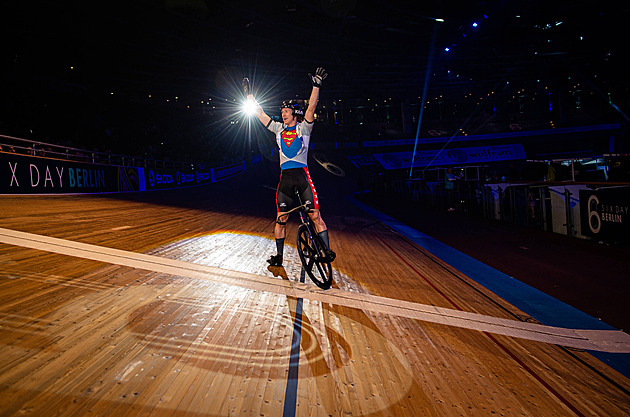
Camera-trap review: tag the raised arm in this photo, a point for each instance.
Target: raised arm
(260, 113)
(320, 74)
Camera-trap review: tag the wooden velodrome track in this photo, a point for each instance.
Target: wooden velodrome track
(162, 304)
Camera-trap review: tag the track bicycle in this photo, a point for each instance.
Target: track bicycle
(311, 248)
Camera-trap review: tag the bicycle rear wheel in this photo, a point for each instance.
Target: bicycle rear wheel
(311, 249)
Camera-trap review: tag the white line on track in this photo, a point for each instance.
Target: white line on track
(613, 341)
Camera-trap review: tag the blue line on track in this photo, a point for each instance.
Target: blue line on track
(290, 394)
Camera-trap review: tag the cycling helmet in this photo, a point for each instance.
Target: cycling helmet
(293, 105)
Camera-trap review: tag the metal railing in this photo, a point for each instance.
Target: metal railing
(49, 150)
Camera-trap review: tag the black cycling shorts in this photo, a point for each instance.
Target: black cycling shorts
(289, 180)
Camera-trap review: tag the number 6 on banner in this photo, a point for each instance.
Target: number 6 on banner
(594, 221)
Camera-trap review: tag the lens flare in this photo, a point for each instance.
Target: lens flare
(233, 130)
(249, 107)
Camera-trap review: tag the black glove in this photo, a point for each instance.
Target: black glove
(320, 74)
(246, 89)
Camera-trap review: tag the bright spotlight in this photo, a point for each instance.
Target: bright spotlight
(249, 107)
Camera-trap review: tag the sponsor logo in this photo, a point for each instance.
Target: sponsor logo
(155, 178)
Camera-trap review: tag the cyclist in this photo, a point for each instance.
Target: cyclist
(293, 137)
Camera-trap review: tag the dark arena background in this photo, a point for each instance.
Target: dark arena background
(138, 205)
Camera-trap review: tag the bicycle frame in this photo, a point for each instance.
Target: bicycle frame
(310, 247)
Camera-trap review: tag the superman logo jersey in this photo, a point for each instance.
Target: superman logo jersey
(288, 135)
(293, 143)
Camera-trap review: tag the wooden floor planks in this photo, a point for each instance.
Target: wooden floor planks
(81, 337)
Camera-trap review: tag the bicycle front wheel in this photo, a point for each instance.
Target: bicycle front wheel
(311, 249)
